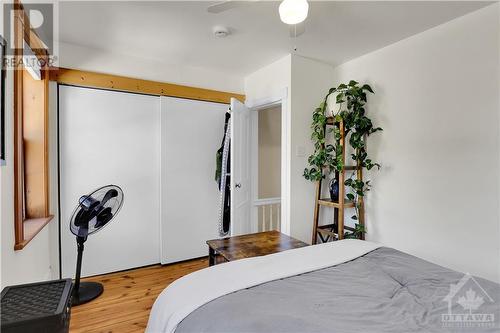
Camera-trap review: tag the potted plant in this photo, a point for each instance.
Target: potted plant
(349, 107)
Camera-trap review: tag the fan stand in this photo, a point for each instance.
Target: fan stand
(83, 292)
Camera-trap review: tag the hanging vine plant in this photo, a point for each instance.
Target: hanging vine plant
(350, 103)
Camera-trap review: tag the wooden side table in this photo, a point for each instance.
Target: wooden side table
(251, 245)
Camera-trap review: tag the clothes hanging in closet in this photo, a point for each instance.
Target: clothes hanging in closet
(223, 178)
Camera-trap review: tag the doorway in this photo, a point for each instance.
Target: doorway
(266, 170)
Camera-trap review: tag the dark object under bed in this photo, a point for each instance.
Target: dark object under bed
(42, 307)
(383, 291)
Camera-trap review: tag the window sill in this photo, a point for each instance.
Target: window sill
(31, 228)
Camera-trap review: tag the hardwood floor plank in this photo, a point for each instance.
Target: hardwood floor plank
(128, 297)
(136, 324)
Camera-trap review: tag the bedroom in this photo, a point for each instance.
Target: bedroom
(155, 97)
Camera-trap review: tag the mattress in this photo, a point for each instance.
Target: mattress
(384, 290)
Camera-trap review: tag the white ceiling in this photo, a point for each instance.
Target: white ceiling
(181, 32)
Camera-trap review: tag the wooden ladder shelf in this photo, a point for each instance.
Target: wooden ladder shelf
(335, 231)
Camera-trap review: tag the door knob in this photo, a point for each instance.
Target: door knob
(237, 185)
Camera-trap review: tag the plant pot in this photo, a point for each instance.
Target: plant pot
(334, 190)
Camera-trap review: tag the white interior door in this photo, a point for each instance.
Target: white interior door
(109, 137)
(192, 132)
(240, 168)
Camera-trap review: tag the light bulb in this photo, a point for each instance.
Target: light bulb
(293, 11)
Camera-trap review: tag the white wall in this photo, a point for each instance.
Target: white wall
(78, 57)
(437, 98)
(268, 83)
(310, 83)
(33, 262)
(307, 82)
(53, 181)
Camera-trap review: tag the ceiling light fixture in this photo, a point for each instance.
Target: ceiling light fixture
(293, 11)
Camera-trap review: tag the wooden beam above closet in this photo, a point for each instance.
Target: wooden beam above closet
(106, 81)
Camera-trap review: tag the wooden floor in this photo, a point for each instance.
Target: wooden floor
(128, 297)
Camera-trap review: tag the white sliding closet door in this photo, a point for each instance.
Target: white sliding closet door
(191, 134)
(109, 137)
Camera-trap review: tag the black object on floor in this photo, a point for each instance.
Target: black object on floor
(43, 307)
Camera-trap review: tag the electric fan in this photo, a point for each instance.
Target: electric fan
(94, 212)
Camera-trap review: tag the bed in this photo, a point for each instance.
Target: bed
(344, 286)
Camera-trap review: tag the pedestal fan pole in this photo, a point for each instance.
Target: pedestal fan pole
(83, 292)
(80, 246)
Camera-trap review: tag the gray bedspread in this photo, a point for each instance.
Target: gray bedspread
(383, 291)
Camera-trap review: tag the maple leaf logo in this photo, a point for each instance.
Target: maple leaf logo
(471, 301)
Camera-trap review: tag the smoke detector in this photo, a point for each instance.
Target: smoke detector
(221, 32)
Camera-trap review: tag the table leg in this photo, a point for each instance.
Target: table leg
(211, 256)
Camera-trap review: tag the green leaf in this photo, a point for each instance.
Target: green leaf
(357, 128)
(367, 87)
(354, 217)
(350, 196)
